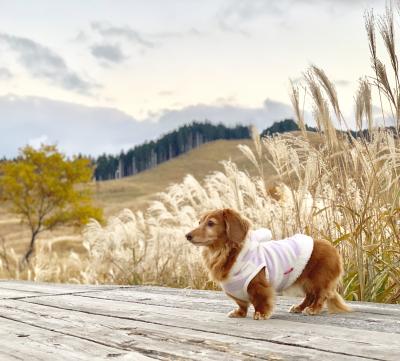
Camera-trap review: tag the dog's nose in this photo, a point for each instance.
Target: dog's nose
(189, 237)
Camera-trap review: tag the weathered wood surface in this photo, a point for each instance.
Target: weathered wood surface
(41, 321)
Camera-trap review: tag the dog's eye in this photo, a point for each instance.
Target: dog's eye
(210, 223)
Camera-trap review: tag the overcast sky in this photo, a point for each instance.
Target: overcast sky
(98, 75)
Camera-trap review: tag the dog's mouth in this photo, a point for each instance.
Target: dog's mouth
(200, 243)
(197, 243)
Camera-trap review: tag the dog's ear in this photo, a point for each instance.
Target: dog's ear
(236, 226)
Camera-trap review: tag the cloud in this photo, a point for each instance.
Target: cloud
(231, 28)
(94, 130)
(5, 74)
(177, 34)
(244, 10)
(261, 117)
(108, 52)
(124, 35)
(231, 99)
(342, 2)
(122, 32)
(234, 14)
(81, 36)
(42, 62)
(37, 142)
(75, 128)
(166, 93)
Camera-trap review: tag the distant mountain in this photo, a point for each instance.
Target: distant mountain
(182, 140)
(171, 145)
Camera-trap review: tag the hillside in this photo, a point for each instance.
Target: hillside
(152, 153)
(132, 192)
(198, 149)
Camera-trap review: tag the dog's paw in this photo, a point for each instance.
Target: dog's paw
(236, 314)
(295, 309)
(261, 316)
(311, 311)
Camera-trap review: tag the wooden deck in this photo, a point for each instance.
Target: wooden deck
(71, 322)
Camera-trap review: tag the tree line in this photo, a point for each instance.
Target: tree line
(171, 145)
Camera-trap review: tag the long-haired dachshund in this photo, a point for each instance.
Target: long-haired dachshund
(250, 271)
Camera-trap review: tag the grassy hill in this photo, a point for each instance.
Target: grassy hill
(134, 191)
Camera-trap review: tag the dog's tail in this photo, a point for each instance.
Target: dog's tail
(336, 304)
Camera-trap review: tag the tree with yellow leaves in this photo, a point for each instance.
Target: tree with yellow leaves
(47, 190)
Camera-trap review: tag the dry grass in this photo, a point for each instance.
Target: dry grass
(348, 194)
(328, 185)
(134, 193)
(326, 192)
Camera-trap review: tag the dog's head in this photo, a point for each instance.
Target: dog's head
(218, 228)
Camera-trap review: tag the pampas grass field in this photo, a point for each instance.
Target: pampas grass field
(343, 188)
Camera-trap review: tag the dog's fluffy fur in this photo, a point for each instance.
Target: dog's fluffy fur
(222, 234)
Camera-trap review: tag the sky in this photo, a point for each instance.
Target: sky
(99, 76)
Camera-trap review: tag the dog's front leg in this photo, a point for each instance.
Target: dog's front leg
(262, 296)
(241, 311)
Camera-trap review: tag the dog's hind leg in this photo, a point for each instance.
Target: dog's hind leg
(320, 297)
(308, 300)
(320, 278)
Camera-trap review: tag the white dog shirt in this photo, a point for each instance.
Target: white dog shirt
(283, 260)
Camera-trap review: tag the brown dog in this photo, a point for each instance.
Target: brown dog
(224, 233)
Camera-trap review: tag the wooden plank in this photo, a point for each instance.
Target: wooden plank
(21, 341)
(322, 337)
(155, 340)
(157, 322)
(367, 307)
(52, 288)
(219, 301)
(356, 320)
(5, 293)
